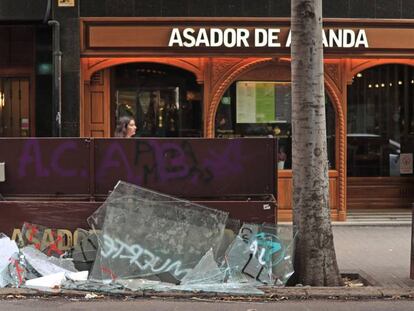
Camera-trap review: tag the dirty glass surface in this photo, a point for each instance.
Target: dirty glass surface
(262, 254)
(149, 240)
(144, 234)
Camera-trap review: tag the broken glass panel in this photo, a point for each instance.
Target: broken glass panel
(205, 272)
(8, 253)
(262, 253)
(144, 233)
(45, 265)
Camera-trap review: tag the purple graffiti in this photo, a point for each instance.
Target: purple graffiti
(146, 162)
(115, 157)
(228, 162)
(32, 156)
(171, 161)
(56, 156)
(168, 161)
(160, 162)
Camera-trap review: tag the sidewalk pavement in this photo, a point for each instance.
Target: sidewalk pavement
(380, 254)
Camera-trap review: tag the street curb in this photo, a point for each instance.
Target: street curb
(271, 294)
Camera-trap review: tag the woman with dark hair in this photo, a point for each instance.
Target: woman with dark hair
(125, 127)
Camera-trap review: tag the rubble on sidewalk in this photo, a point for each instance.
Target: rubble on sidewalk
(8, 250)
(144, 240)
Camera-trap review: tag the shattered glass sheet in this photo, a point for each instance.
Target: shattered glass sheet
(150, 241)
(52, 242)
(8, 260)
(94, 286)
(262, 254)
(144, 234)
(45, 265)
(230, 288)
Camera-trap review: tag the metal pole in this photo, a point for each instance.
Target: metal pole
(57, 80)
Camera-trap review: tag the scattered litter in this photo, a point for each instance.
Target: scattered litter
(350, 282)
(93, 296)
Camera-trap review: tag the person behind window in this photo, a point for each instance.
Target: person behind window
(125, 127)
(281, 157)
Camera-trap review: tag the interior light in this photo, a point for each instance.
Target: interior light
(2, 103)
(377, 85)
(390, 84)
(44, 69)
(369, 85)
(382, 85)
(399, 82)
(359, 75)
(412, 81)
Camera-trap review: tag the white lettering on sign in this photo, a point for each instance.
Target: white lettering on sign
(214, 37)
(340, 38)
(262, 37)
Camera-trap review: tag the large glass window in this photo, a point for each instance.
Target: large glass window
(380, 118)
(165, 101)
(254, 108)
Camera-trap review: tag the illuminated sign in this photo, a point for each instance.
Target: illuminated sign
(260, 37)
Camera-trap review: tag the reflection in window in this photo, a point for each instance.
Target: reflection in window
(380, 105)
(252, 109)
(165, 101)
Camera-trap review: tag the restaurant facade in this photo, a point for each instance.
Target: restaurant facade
(191, 69)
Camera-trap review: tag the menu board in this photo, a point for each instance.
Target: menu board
(256, 102)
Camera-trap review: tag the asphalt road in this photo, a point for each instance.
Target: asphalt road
(160, 305)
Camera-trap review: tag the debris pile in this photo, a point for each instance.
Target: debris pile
(144, 240)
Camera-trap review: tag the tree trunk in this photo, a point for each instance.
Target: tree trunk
(315, 259)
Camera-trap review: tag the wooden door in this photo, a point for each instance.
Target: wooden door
(14, 107)
(97, 105)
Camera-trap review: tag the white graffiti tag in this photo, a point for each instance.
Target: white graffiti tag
(141, 257)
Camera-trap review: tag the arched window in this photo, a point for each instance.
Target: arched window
(380, 119)
(164, 100)
(260, 109)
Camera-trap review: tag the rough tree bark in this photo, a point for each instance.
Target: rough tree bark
(315, 259)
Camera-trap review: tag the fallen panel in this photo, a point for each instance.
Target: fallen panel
(142, 235)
